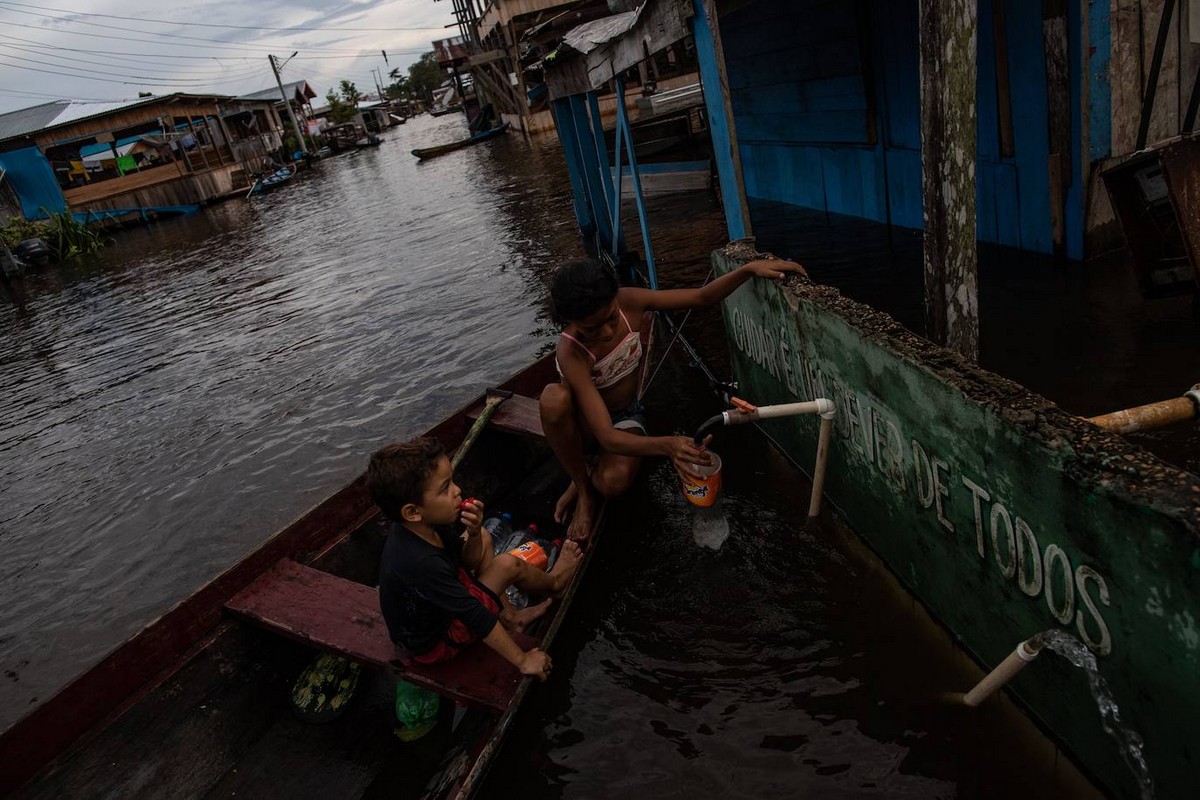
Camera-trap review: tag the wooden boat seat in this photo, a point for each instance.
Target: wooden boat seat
(518, 414)
(342, 616)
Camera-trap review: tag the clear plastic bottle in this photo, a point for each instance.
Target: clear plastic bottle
(526, 545)
(500, 527)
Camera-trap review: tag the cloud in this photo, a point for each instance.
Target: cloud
(231, 61)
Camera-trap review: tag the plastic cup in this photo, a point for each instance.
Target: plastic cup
(702, 485)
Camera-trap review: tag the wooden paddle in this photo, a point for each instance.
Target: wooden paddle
(493, 400)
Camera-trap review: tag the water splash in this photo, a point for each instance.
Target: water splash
(1129, 742)
(710, 528)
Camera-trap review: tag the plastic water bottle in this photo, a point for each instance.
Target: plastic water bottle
(500, 527)
(535, 550)
(516, 597)
(526, 545)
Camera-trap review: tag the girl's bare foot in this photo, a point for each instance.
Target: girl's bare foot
(562, 509)
(565, 566)
(580, 528)
(518, 621)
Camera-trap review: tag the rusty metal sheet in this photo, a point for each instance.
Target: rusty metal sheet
(1181, 166)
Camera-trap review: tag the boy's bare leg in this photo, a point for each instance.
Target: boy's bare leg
(518, 619)
(506, 570)
(565, 435)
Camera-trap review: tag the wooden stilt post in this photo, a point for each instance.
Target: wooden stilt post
(590, 162)
(948, 37)
(713, 77)
(565, 123)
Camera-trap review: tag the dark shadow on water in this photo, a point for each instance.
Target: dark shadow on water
(1080, 334)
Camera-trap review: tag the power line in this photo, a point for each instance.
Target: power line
(360, 54)
(219, 71)
(40, 96)
(276, 46)
(43, 46)
(210, 24)
(144, 82)
(172, 80)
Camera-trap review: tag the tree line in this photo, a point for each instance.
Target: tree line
(422, 79)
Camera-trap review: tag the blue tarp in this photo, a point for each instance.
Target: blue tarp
(92, 149)
(31, 176)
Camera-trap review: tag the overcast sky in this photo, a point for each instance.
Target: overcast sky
(51, 49)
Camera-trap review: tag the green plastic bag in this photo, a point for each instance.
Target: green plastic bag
(416, 711)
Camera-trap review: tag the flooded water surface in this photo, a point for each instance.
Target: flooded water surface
(170, 405)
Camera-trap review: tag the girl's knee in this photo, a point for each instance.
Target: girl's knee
(556, 402)
(611, 480)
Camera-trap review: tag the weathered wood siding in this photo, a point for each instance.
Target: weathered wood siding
(199, 187)
(827, 105)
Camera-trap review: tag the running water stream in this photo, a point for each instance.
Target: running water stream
(1129, 742)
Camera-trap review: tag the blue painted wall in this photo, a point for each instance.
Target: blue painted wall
(33, 179)
(826, 97)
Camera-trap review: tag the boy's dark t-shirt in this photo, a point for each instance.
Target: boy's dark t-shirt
(420, 592)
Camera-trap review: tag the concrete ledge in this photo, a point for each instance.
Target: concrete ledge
(1002, 513)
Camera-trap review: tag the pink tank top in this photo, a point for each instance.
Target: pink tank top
(622, 361)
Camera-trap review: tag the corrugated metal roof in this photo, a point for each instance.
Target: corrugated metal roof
(28, 120)
(63, 112)
(77, 111)
(292, 89)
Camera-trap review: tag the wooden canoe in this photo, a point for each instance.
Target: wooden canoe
(430, 152)
(197, 703)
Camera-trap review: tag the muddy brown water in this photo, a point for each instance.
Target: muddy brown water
(172, 403)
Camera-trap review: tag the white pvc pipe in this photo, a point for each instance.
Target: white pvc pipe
(821, 406)
(818, 484)
(1017, 660)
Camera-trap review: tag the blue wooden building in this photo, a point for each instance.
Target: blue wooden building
(820, 101)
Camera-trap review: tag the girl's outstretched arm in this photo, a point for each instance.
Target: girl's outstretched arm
(712, 292)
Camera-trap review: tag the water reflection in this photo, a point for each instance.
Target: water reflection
(208, 379)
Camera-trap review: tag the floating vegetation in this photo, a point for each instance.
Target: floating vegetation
(66, 236)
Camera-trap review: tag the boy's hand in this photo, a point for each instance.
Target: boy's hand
(536, 663)
(773, 268)
(471, 516)
(685, 454)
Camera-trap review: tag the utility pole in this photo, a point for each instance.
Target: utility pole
(287, 102)
(378, 84)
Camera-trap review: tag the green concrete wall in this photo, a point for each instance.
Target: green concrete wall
(1003, 514)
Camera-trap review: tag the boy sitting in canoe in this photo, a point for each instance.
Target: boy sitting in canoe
(440, 586)
(598, 358)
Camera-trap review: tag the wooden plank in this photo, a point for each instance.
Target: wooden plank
(518, 414)
(824, 127)
(98, 190)
(332, 613)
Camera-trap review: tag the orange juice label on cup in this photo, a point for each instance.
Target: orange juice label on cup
(701, 490)
(531, 553)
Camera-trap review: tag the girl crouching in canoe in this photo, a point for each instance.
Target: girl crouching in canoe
(598, 357)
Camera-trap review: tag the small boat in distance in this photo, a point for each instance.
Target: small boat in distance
(265, 182)
(430, 152)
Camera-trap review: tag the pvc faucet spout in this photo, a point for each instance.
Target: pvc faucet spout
(1017, 660)
(744, 412)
